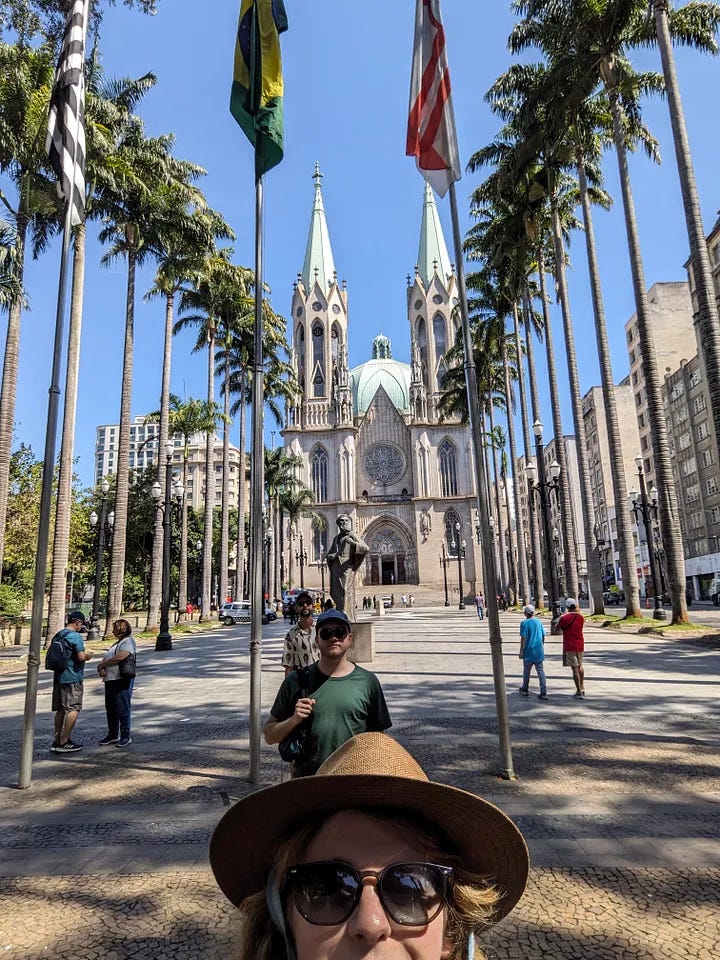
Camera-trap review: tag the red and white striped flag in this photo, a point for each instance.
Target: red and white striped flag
(431, 136)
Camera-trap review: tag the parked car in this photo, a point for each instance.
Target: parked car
(240, 612)
(387, 602)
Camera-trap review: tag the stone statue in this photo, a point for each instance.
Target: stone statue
(344, 559)
(425, 524)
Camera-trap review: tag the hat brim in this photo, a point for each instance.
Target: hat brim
(246, 839)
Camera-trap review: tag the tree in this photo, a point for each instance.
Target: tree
(135, 208)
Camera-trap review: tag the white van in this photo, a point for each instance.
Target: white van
(715, 590)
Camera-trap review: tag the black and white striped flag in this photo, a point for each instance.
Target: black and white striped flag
(65, 143)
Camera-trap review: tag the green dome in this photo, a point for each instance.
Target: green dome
(366, 379)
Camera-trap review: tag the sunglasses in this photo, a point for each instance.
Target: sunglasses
(327, 892)
(327, 633)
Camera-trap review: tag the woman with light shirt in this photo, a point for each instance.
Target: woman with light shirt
(118, 689)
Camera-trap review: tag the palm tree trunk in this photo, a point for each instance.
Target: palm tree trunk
(707, 318)
(592, 560)
(8, 392)
(523, 585)
(225, 503)
(503, 567)
(209, 489)
(158, 539)
(122, 482)
(628, 565)
(240, 573)
(667, 499)
(182, 569)
(563, 492)
(63, 506)
(534, 525)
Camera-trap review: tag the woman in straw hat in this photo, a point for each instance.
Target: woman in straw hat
(368, 858)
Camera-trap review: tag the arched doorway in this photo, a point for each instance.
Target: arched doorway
(391, 560)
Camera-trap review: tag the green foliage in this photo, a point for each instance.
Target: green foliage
(44, 20)
(13, 599)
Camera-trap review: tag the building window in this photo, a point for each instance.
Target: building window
(715, 515)
(707, 458)
(692, 493)
(702, 431)
(699, 403)
(695, 378)
(319, 541)
(451, 534)
(319, 475)
(439, 335)
(448, 469)
(711, 485)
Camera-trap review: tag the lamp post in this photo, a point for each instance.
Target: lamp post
(301, 558)
(460, 552)
(443, 563)
(646, 508)
(544, 488)
(106, 521)
(164, 638)
(559, 560)
(321, 564)
(268, 569)
(602, 546)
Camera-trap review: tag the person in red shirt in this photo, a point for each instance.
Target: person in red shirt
(571, 626)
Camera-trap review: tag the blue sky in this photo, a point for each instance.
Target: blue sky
(347, 68)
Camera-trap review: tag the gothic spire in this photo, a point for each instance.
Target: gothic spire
(433, 253)
(319, 263)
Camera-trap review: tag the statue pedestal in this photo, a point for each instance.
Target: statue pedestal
(380, 609)
(363, 649)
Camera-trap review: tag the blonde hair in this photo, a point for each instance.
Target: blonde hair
(470, 907)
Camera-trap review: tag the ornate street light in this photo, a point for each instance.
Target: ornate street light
(106, 522)
(177, 490)
(444, 560)
(301, 557)
(543, 488)
(646, 508)
(460, 554)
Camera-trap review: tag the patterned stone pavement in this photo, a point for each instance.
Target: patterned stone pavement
(618, 796)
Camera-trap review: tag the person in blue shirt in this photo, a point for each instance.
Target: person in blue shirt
(532, 651)
(67, 694)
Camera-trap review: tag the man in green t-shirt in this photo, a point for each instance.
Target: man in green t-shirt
(343, 699)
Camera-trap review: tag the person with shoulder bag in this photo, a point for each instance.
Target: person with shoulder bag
(117, 670)
(571, 625)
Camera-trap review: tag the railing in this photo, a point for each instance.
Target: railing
(386, 498)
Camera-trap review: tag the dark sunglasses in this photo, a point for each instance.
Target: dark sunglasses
(327, 633)
(326, 892)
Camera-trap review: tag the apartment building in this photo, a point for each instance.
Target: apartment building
(671, 319)
(144, 452)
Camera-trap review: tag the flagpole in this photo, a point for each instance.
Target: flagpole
(257, 600)
(488, 558)
(38, 601)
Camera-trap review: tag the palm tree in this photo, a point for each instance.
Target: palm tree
(297, 501)
(586, 47)
(185, 240)
(26, 77)
(135, 210)
(108, 106)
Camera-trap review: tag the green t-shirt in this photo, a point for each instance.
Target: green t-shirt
(344, 706)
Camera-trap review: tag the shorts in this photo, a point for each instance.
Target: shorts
(67, 697)
(573, 658)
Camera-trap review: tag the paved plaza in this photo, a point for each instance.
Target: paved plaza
(618, 795)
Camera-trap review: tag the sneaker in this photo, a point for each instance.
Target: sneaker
(124, 742)
(54, 746)
(523, 691)
(579, 694)
(107, 740)
(543, 696)
(69, 747)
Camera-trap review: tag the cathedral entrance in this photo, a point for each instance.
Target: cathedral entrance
(387, 562)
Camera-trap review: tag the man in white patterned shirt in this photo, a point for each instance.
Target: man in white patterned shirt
(300, 649)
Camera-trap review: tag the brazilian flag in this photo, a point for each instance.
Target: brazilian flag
(256, 101)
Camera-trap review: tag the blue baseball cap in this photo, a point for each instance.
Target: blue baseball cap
(339, 616)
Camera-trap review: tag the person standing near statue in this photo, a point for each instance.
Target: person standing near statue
(344, 559)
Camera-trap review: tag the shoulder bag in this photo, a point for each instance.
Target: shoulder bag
(292, 747)
(127, 666)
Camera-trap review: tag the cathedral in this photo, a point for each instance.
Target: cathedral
(370, 438)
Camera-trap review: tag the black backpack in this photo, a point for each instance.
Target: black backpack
(58, 653)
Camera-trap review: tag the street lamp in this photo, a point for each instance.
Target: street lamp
(321, 564)
(559, 559)
(444, 560)
(543, 488)
(602, 546)
(164, 638)
(301, 557)
(106, 520)
(460, 554)
(478, 528)
(647, 508)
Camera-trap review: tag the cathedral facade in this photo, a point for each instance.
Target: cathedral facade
(370, 439)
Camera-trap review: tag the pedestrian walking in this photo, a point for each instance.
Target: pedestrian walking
(117, 669)
(342, 698)
(480, 606)
(532, 651)
(300, 649)
(67, 695)
(571, 625)
(368, 858)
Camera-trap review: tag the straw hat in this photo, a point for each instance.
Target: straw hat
(367, 772)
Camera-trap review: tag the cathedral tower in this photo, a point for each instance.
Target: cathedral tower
(431, 299)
